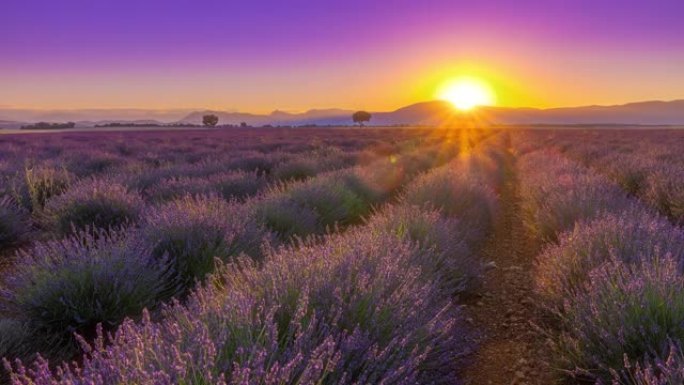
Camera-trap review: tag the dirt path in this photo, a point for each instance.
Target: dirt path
(511, 350)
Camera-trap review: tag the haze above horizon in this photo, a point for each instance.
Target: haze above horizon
(259, 56)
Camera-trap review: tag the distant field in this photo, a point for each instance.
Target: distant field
(102, 129)
(342, 256)
(13, 131)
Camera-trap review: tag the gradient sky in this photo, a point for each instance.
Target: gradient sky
(258, 56)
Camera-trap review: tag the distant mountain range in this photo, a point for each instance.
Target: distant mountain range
(426, 113)
(325, 117)
(643, 113)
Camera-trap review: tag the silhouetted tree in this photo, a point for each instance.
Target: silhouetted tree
(210, 120)
(48, 126)
(243, 124)
(360, 117)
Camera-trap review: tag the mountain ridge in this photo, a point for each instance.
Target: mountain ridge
(436, 112)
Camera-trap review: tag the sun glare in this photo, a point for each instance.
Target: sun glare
(467, 93)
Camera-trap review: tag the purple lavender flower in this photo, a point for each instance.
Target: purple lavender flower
(447, 257)
(194, 231)
(557, 193)
(624, 310)
(631, 236)
(456, 193)
(63, 287)
(663, 370)
(95, 202)
(14, 224)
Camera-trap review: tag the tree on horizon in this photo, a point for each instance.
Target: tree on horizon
(210, 120)
(360, 117)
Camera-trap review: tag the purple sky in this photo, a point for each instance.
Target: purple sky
(262, 55)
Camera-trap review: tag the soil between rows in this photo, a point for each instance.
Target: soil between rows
(510, 349)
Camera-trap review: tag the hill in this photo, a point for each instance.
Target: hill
(437, 112)
(425, 113)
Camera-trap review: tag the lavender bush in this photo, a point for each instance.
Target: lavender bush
(348, 311)
(666, 192)
(447, 257)
(363, 181)
(237, 184)
(560, 193)
(191, 232)
(63, 287)
(490, 162)
(630, 172)
(258, 162)
(631, 236)
(457, 194)
(285, 217)
(624, 310)
(297, 169)
(338, 198)
(14, 224)
(384, 178)
(229, 185)
(95, 202)
(89, 162)
(658, 371)
(615, 282)
(175, 188)
(145, 179)
(14, 340)
(313, 206)
(331, 199)
(358, 280)
(648, 166)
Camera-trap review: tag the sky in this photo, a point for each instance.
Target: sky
(258, 56)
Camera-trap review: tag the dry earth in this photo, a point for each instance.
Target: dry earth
(511, 349)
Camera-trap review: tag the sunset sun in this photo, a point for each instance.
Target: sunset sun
(467, 93)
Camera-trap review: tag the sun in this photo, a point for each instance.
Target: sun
(466, 93)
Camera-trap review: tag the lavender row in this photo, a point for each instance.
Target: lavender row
(194, 231)
(609, 277)
(187, 147)
(118, 196)
(53, 199)
(113, 201)
(372, 305)
(235, 178)
(182, 154)
(57, 287)
(648, 165)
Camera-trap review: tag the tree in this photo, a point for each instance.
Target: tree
(243, 124)
(210, 120)
(360, 117)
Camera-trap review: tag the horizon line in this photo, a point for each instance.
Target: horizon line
(293, 111)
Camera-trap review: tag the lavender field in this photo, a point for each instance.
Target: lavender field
(342, 256)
